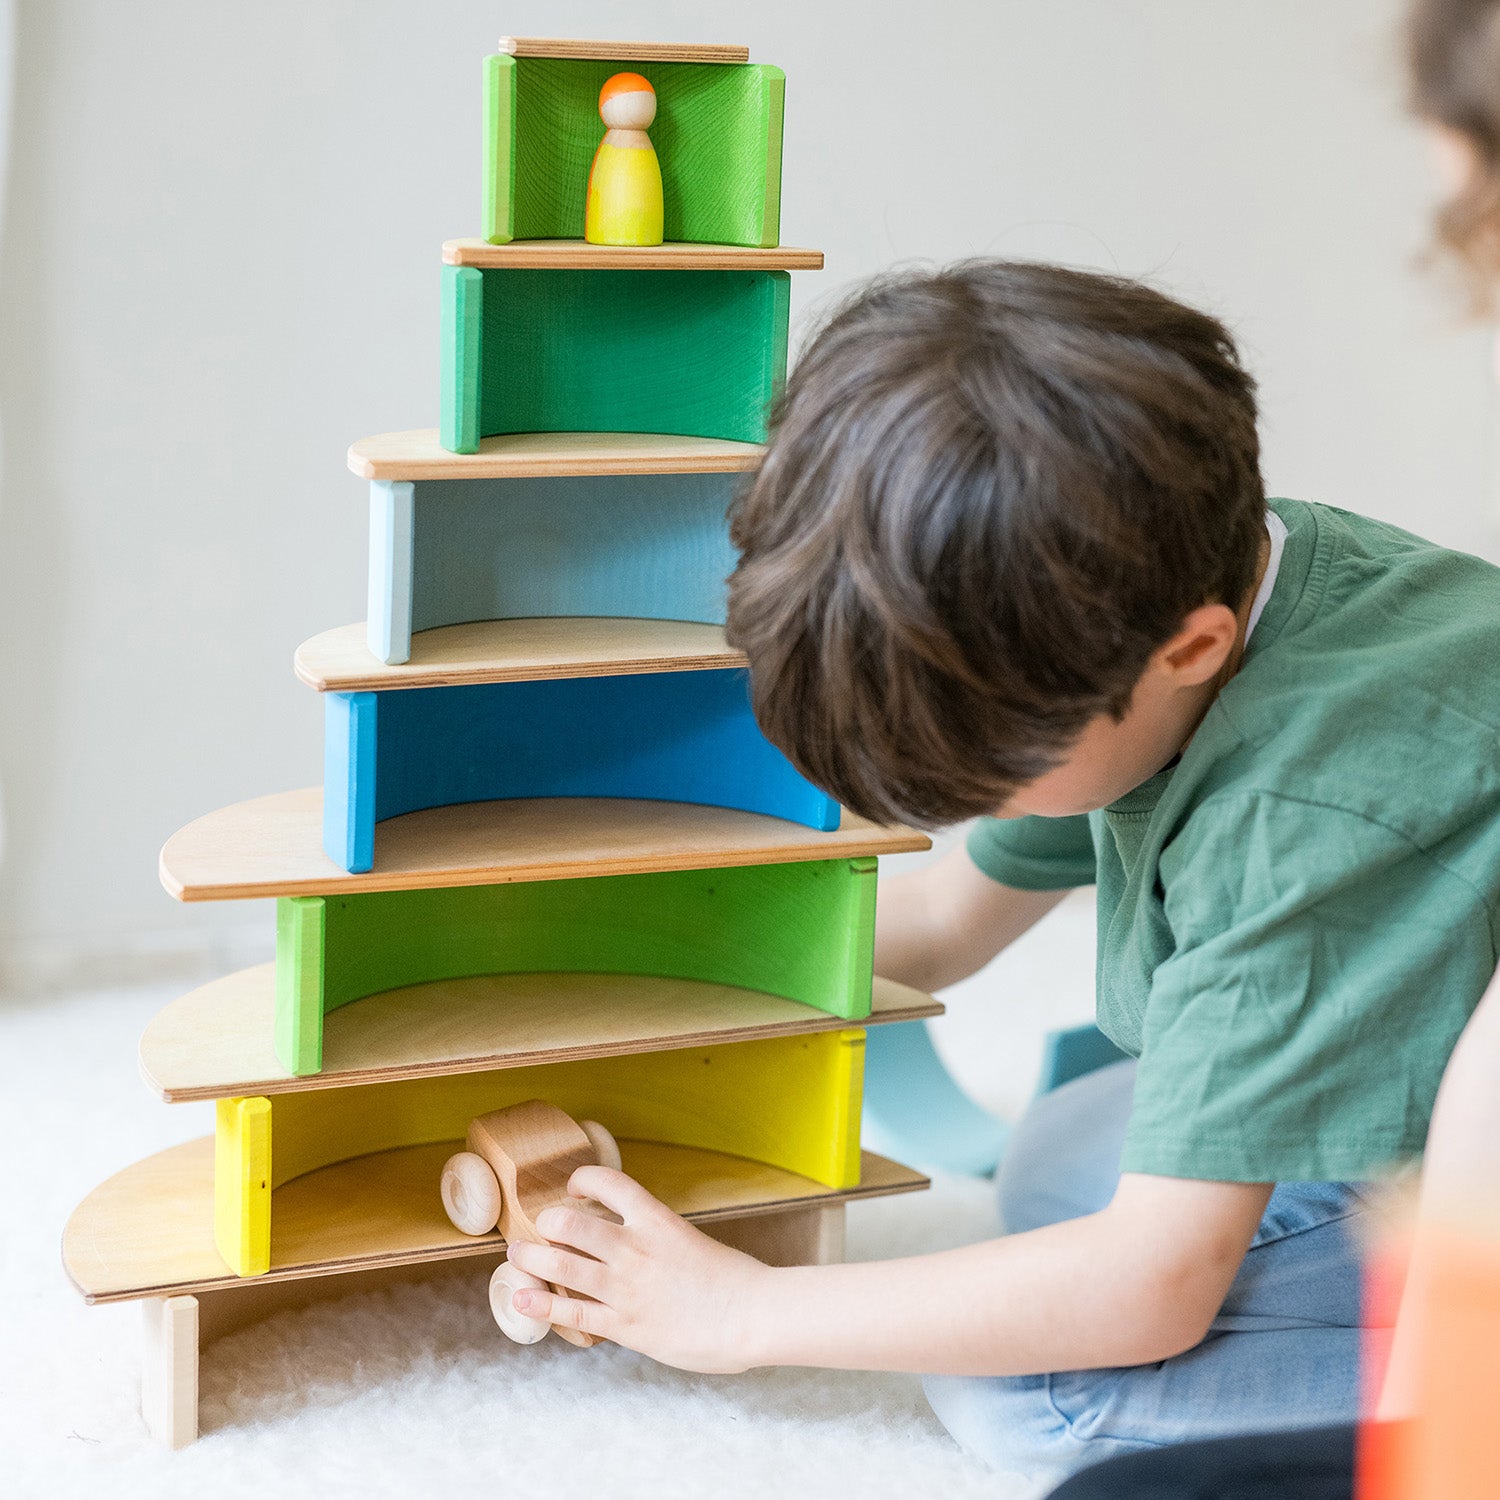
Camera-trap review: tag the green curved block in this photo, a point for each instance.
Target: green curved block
(717, 135)
(700, 353)
(803, 931)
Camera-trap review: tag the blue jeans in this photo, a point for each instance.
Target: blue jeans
(1282, 1353)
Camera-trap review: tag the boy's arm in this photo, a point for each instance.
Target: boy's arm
(1138, 1282)
(939, 924)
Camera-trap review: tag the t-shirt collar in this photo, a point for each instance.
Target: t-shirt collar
(1276, 531)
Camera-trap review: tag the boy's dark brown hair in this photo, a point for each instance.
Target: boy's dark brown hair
(990, 493)
(1453, 55)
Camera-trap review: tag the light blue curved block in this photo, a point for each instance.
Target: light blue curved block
(914, 1110)
(637, 546)
(1073, 1052)
(669, 736)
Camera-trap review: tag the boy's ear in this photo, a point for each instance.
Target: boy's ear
(1201, 646)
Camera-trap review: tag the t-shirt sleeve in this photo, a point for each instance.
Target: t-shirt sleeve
(1034, 854)
(1324, 966)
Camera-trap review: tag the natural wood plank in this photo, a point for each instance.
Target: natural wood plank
(272, 846)
(147, 1232)
(417, 454)
(217, 1040)
(169, 1369)
(563, 46)
(524, 650)
(673, 255)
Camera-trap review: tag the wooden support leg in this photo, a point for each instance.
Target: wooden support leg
(169, 1370)
(799, 1237)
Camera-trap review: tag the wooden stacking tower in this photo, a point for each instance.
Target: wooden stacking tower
(552, 857)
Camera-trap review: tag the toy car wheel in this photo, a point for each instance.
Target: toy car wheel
(606, 1150)
(516, 1326)
(471, 1193)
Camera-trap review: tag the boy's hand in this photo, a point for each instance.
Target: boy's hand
(657, 1285)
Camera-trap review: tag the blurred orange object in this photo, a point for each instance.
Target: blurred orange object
(1451, 1451)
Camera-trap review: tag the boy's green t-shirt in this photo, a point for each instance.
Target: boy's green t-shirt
(1298, 916)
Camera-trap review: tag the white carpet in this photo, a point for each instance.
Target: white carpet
(406, 1392)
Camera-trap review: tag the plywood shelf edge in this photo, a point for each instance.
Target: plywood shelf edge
(525, 650)
(602, 51)
(673, 255)
(416, 454)
(216, 1041)
(272, 846)
(148, 1230)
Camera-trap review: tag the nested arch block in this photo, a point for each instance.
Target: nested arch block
(790, 1102)
(629, 546)
(803, 931)
(663, 736)
(701, 353)
(717, 135)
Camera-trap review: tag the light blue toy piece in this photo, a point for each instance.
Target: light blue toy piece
(668, 736)
(636, 546)
(914, 1109)
(1072, 1053)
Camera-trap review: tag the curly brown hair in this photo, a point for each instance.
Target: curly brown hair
(1453, 59)
(990, 493)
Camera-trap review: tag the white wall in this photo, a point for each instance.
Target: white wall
(220, 267)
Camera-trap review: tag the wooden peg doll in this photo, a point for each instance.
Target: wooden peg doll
(624, 205)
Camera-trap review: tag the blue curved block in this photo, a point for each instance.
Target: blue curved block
(638, 546)
(914, 1110)
(670, 736)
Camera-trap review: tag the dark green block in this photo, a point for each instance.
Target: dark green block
(697, 353)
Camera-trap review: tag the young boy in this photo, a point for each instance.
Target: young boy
(1009, 555)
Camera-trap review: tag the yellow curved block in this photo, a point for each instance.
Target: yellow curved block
(792, 1102)
(242, 1184)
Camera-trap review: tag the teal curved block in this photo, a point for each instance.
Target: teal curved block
(696, 353)
(633, 546)
(915, 1111)
(803, 931)
(669, 736)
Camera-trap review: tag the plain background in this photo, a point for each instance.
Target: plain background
(220, 266)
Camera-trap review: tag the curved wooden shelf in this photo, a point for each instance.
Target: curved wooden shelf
(273, 846)
(675, 255)
(216, 1042)
(148, 1231)
(514, 651)
(417, 454)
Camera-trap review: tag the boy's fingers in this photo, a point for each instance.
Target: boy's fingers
(579, 1231)
(561, 1267)
(621, 1194)
(571, 1312)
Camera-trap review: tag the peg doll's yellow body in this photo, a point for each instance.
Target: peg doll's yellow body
(624, 205)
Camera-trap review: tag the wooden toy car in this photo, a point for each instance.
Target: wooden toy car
(518, 1162)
